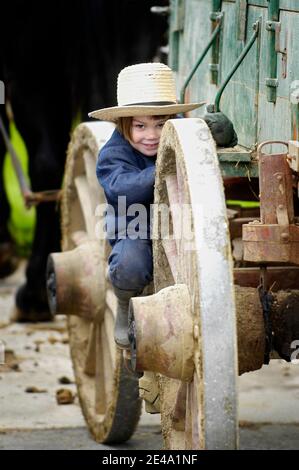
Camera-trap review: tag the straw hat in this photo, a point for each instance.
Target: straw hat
(144, 90)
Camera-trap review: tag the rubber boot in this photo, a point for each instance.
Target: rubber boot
(121, 322)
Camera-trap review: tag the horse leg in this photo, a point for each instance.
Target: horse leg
(46, 135)
(31, 297)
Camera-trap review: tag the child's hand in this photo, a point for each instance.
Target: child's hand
(222, 129)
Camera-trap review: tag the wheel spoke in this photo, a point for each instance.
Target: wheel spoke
(90, 360)
(172, 189)
(108, 365)
(173, 197)
(107, 250)
(181, 184)
(170, 249)
(198, 435)
(86, 206)
(179, 411)
(192, 429)
(111, 301)
(100, 395)
(93, 184)
(109, 331)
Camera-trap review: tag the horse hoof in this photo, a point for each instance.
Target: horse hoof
(31, 306)
(32, 316)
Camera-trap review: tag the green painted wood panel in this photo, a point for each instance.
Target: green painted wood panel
(291, 5)
(239, 98)
(275, 119)
(245, 98)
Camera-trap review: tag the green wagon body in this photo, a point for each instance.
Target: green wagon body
(260, 98)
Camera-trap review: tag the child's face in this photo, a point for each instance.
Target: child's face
(146, 133)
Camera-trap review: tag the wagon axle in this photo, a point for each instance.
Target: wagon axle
(74, 282)
(162, 330)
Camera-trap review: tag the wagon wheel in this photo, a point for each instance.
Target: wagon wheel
(204, 415)
(108, 393)
(197, 348)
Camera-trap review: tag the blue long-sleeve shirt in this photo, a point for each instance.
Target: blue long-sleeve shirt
(122, 171)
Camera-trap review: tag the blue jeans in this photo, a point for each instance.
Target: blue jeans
(131, 264)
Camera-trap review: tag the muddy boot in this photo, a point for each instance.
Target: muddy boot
(121, 323)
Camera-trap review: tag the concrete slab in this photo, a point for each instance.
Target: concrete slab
(271, 394)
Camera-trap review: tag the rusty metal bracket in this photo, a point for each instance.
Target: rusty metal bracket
(275, 238)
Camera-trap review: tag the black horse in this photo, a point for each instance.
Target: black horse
(59, 60)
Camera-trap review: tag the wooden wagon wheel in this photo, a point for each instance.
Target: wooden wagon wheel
(78, 286)
(187, 330)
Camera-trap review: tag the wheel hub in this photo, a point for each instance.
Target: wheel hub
(161, 333)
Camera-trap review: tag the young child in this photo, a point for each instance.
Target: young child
(126, 170)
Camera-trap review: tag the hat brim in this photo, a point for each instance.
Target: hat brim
(112, 114)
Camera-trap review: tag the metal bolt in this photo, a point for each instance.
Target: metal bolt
(285, 236)
(279, 177)
(280, 207)
(196, 331)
